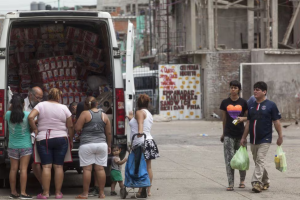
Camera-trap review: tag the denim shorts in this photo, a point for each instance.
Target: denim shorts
(53, 151)
(19, 153)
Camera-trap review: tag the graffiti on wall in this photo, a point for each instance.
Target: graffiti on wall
(179, 91)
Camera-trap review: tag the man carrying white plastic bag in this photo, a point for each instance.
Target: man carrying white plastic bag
(262, 113)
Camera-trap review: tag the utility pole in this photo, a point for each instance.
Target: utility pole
(58, 1)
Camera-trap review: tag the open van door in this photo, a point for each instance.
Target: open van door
(130, 91)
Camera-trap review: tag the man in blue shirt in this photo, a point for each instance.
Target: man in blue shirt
(261, 114)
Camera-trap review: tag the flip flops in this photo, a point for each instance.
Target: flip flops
(81, 197)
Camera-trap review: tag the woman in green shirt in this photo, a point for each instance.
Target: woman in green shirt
(19, 145)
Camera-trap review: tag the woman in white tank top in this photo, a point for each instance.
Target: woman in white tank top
(142, 123)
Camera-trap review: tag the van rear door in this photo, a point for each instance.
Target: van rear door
(130, 91)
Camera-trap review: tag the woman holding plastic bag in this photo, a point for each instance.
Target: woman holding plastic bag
(234, 109)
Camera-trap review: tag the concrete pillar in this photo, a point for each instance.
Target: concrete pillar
(193, 27)
(262, 25)
(274, 4)
(250, 25)
(210, 29)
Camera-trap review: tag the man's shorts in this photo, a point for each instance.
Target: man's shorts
(93, 153)
(116, 175)
(19, 153)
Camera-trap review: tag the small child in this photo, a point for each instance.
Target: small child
(115, 173)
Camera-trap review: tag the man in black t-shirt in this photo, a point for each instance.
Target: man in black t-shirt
(233, 108)
(259, 123)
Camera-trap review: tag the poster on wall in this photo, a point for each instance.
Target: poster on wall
(179, 91)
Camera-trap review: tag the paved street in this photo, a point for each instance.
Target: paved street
(192, 166)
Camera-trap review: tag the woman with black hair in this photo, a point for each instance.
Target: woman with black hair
(19, 145)
(234, 110)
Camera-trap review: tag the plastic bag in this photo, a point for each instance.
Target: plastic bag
(282, 158)
(240, 160)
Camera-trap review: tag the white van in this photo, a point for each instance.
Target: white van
(101, 25)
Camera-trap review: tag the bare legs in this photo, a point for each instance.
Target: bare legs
(23, 174)
(37, 171)
(58, 178)
(150, 173)
(101, 177)
(87, 171)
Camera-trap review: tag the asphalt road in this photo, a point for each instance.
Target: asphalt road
(192, 166)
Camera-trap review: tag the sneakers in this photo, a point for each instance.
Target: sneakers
(266, 186)
(94, 191)
(257, 187)
(113, 193)
(25, 196)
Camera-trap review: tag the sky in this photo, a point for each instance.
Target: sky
(13, 5)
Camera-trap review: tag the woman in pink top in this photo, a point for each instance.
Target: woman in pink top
(54, 126)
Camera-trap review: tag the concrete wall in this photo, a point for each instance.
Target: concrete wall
(231, 23)
(283, 80)
(219, 69)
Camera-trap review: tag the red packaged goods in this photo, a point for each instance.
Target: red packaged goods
(77, 86)
(25, 78)
(46, 63)
(44, 29)
(17, 34)
(65, 61)
(58, 61)
(74, 33)
(13, 46)
(26, 46)
(52, 84)
(46, 87)
(52, 63)
(44, 46)
(55, 75)
(44, 77)
(31, 33)
(81, 61)
(67, 73)
(24, 57)
(71, 86)
(61, 74)
(77, 47)
(50, 76)
(65, 99)
(24, 90)
(73, 74)
(71, 97)
(96, 66)
(77, 97)
(59, 84)
(92, 52)
(84, 86)
(71, 61)
(40, 66)
(52, 28)
(91, 38)
(12, 61)
(61, 45)
(65, 87)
